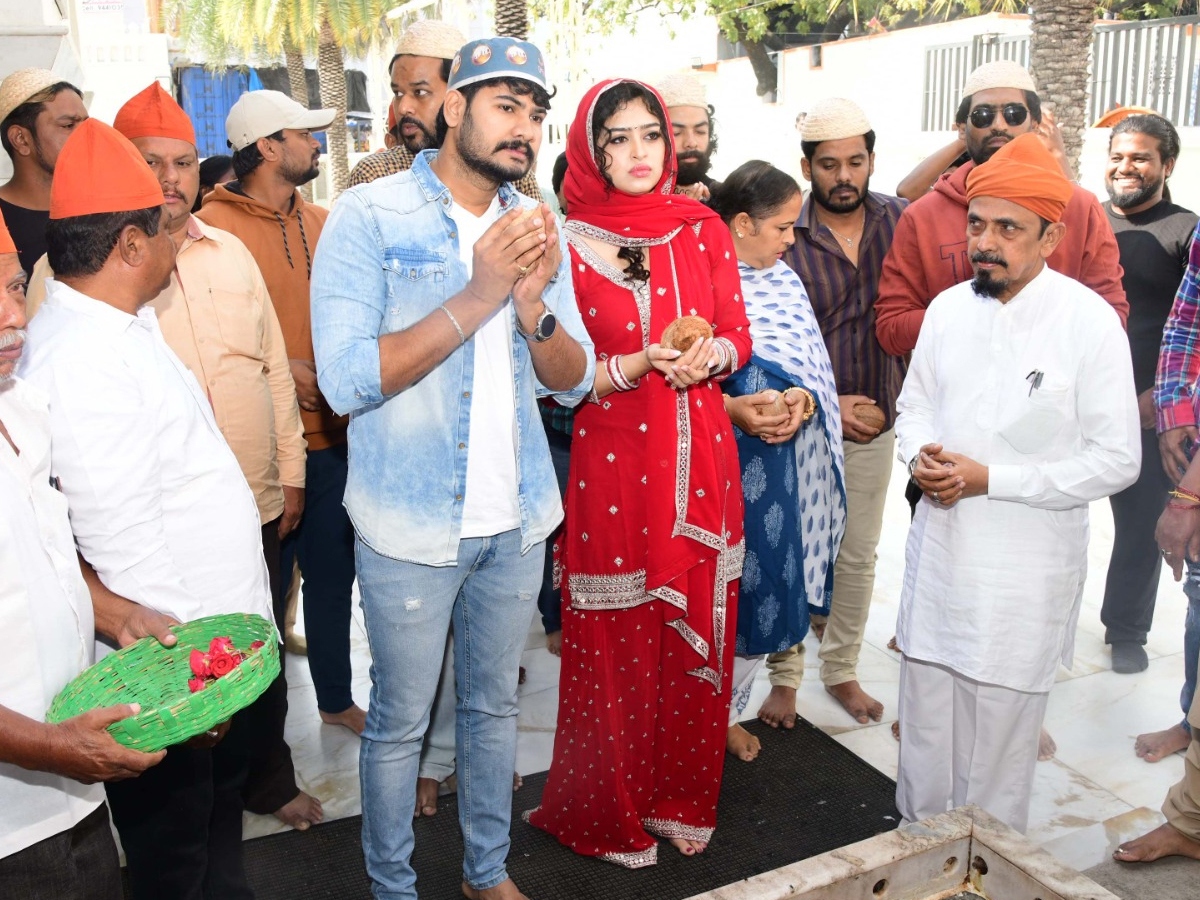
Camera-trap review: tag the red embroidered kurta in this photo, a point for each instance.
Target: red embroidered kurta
(650, 557)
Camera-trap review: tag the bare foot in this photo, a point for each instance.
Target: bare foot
(505, 890)
(689, 848)
(301, 812)
(861, 705)
(891, 645)
(352, 717)
(427, 794)
(1046, 746)
(1158, 745)
(780, 707)
(742, 743)
(554, 642)
(1162, 841)
(896, 729)
(517, 781)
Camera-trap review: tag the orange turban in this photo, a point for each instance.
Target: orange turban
(1024, 172)
(6, 241)
(99, 171)
(154, 113)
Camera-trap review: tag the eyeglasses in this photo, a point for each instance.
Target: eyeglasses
(983, 116)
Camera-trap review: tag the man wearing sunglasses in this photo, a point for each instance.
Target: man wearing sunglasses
(929, 250)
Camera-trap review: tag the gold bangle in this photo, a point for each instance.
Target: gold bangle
(1183, 494)
(811, 408)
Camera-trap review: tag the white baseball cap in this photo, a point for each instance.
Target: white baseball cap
(258, 114)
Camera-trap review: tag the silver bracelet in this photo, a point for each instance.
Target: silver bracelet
(462, 338)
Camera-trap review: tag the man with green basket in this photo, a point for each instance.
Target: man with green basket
(55, 841)
(159, 506)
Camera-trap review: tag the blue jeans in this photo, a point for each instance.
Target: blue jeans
(488, 597)
(1191, 641)
(324, 544)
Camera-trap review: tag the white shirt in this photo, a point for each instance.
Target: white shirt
(158, 503)
(45, 618)
(992, 585)
(490, 504)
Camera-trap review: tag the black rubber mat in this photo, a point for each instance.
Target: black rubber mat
(804, 795)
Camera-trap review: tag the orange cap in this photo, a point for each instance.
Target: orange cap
(154, 113)
(1024, 172)
(99, 171)
(6, 241)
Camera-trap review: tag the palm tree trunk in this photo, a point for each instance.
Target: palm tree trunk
(298, 85)
(1060, 51)
(512, 19)
(332, 74)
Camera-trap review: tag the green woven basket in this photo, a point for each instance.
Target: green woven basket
(155, 676)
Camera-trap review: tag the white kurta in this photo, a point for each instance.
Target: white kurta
(992, 585)
(158, 503)
(45, 618)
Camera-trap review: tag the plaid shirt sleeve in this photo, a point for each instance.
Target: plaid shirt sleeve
(380, 165)
(1178, 359)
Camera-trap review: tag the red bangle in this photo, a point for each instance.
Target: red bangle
(1174, 504)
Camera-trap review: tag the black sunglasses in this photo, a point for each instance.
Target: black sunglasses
(983, 116)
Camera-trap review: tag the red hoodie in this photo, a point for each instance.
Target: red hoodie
(929, 255)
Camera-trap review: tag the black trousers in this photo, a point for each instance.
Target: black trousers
(181, 821)
(271, 781)
(1134, 568)
(77, 864)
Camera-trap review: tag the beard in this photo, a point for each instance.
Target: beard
(978, 149)
(1136, 197)
(692, 167)
(985, 283)
(471, 146)
(299, 175)
(8, 339)
(845, 204)
(424, 139)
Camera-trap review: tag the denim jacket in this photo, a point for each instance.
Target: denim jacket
(387, 258)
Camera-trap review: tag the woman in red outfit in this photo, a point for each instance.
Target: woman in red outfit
(652, 548)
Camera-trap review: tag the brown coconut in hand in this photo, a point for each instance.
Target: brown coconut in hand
(775, 404)
(869, 414)
(685, 331)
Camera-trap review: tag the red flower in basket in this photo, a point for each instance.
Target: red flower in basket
(199, 665)
(196, 684)
(221, 645)
(223, 663)
(257, 645)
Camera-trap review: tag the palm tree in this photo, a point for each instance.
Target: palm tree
(512, 19)
(1060, 55)
(248, 28)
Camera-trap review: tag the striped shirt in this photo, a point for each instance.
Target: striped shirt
(843, 297)
(1178, 359)
(400, 159)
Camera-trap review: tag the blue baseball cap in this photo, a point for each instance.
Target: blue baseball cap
(497, 57)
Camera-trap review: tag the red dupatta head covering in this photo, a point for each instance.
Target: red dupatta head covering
(631, 220)
(687, 477)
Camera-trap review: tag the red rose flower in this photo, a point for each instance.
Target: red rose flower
(199, 663)
(196, 684)
(220, 645)
(257, 645)
(222, 664)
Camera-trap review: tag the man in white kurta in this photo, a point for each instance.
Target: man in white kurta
(1018, 410)
(158, 504)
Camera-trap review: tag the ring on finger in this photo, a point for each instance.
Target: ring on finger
(937, 497)
(524, 270)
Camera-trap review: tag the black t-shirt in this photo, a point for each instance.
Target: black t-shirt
(28, 230)
(1154, 248)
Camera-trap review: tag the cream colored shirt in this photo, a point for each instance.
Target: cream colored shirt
(217, 317)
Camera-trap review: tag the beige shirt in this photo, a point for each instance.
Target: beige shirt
(217, 317)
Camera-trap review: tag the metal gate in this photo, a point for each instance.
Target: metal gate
(948, 65)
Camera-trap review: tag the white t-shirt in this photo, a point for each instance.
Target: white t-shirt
(490, 504)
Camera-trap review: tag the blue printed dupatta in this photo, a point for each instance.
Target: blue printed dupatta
(795, 492)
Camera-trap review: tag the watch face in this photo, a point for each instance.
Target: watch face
(546, 326)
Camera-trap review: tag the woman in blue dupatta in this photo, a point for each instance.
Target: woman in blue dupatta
(791, 459)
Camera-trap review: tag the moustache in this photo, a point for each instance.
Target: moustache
(416, 123)
(14, 337)
(992, 258)
(524, 146)
(690, 155)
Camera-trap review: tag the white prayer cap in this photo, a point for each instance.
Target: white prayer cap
(681, 89)
(432, 38)
(1001, 73)
(834, 119)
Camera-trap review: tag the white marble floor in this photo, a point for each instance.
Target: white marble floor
(1092, 795)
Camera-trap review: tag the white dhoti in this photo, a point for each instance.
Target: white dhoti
(745, 670)
(963, 741)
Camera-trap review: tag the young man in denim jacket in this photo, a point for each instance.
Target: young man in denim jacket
(442, 308)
